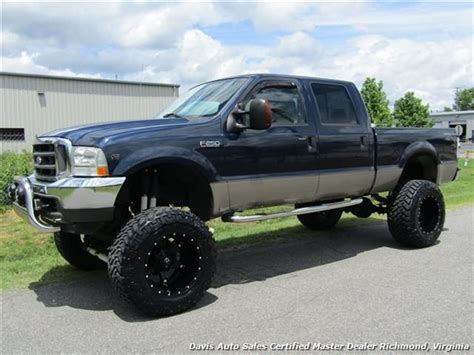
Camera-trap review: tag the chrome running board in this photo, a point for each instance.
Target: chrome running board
(295, 212)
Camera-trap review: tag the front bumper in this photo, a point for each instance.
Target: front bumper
(47, 205)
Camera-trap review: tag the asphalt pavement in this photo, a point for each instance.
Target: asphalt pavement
(354, 285)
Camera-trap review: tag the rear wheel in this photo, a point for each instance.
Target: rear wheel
(320, 220)
(416, 216)
(71, 248)
(163, 261)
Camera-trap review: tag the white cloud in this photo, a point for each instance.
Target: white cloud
(25, 63)
(198, 57)
(403, 64)
(298, 44)
(431, 69)
(170, 42)
(164, 25)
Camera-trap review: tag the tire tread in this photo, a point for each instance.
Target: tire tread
(126, 247)
(400, 219)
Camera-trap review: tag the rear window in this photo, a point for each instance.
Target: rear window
(335, 105)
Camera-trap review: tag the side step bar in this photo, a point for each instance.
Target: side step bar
(295, 212)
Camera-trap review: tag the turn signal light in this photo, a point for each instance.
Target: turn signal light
(102, 171)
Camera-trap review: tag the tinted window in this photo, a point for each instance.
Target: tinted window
(335, 105)
(286, 104)
(204, 100)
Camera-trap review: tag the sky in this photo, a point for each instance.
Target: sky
(420, 46)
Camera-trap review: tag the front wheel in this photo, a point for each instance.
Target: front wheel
(320, 220)
(416, 216)
(163, 261)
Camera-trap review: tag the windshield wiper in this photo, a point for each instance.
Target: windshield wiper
(172, 114)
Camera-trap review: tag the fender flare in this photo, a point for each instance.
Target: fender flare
(418, 148)
(151, 156)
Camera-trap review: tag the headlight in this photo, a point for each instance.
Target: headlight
(89, 161)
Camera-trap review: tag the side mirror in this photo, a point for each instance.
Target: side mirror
(260, 114)
(259, 117)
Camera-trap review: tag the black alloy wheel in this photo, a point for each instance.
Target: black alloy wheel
(163, 261)
(416, 216)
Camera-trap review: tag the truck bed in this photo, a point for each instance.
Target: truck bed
(394, 147)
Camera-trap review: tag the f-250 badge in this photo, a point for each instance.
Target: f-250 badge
(210, 144)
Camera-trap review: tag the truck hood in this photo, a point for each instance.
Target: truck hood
(96, 134)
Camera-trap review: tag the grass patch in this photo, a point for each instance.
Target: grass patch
(26, 255)
(29, 258)
(12, 164)
(461, 191)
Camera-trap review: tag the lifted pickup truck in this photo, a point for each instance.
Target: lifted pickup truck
(132, 196)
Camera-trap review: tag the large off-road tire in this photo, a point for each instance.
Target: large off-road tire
(73, 250)
(416, 216)
(163, 261)
(320, 220)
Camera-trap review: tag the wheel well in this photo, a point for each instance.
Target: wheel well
(422, 167)
(175, 184)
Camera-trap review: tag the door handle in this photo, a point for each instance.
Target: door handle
(312, 144)
(363, 141)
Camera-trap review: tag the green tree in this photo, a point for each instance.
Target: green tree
(409, 111)
(447, 109)
(464, 100)
(376, 102)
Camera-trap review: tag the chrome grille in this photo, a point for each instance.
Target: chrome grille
(49, 160)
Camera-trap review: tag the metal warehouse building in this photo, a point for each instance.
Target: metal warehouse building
(34, 104)
(465, 119)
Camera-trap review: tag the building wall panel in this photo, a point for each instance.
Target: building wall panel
(447, 119)
(71, 102)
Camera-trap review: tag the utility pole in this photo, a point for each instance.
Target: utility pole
(456, 101)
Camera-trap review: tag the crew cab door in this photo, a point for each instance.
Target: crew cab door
(345, 147)
(285, 153)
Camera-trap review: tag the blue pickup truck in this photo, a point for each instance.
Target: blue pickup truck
(133, 196)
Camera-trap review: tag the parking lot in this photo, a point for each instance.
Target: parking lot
(348, 285)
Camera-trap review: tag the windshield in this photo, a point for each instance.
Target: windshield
(204, 100)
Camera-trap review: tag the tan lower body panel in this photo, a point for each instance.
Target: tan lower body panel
(446, 171)
(344, 183)
(386, 178)
(325, 185)
(272, 191)
(289, 189)
(263, 191)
